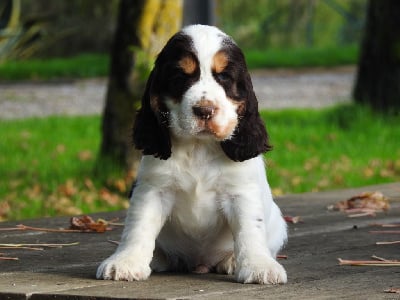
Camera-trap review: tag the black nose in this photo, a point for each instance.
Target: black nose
(204, 112)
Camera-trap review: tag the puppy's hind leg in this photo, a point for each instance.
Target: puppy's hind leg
(227, 265)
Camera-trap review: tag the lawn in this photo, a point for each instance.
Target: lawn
(345, 146)
(46, 165)
(81, 66)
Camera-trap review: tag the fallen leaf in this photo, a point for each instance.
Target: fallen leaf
(108, 197)
(68, 189)
(4, 210)
(89, 184)
(292, 220)
(85, 155)
(366, 202)
(120, 185)
(393, 290)
(368, 172)
(86, 223)
(60, 149)
(34, 191)
(277, 192)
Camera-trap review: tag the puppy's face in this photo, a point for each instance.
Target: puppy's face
(200, 88)
(201, 85)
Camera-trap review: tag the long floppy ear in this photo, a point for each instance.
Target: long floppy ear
(250, 137)
(150, 131)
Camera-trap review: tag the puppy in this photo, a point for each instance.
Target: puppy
(202, 202)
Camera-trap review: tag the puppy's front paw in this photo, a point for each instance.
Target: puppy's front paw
(267, 271)
(123, 267)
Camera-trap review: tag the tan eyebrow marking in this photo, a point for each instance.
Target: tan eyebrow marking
(220, 61)
(188, 64)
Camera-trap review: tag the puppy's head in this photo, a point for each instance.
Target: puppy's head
(200, 88)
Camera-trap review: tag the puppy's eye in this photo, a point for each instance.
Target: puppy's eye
(223, 77)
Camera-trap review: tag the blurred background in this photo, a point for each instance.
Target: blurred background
(326, 74)
(66, 28)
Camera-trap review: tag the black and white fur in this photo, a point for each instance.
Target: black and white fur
(202, 201)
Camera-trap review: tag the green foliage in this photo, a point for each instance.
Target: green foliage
(292, 23)
(302, 57)
(81, 66)
(340, 147)
(46, 165)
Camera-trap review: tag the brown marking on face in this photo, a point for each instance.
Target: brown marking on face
(187, 64)
(221, 132)
(220, 61)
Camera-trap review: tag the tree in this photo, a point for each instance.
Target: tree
(143, 27)
(378, 78)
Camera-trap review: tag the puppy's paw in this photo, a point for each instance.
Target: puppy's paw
(123, 267)
(267, 271)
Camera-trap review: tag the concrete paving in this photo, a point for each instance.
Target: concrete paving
(312, 266)
(275, 89)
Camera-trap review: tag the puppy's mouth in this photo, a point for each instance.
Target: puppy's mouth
(205, 128)
(209, 128)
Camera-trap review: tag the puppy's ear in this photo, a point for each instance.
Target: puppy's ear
(250, 137)
(150, 131)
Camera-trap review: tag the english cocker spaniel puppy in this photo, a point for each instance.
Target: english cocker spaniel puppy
(201, 202)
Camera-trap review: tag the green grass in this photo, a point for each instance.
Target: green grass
(46, 165)
(82, 66)
(46, 169)
(96, 65)
(340, 147)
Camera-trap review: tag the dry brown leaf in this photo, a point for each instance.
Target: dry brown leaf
(293, 220)
(277, 192)
(108, 197)
(366, 202)
(85, 155)
(68, 189)
(120, 185)
(393, 290)
(86, 223)
(60, 148)
(4, 209)
(89, 184)
(34, 191)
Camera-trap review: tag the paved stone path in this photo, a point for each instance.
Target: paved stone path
(312, 265)
(275, 89)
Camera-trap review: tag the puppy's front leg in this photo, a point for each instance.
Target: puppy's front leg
(146, 216)
(248, 217)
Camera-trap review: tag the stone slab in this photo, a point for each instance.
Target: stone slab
(313, 249)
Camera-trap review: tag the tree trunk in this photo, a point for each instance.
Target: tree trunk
(378, 78)
(143, 28)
